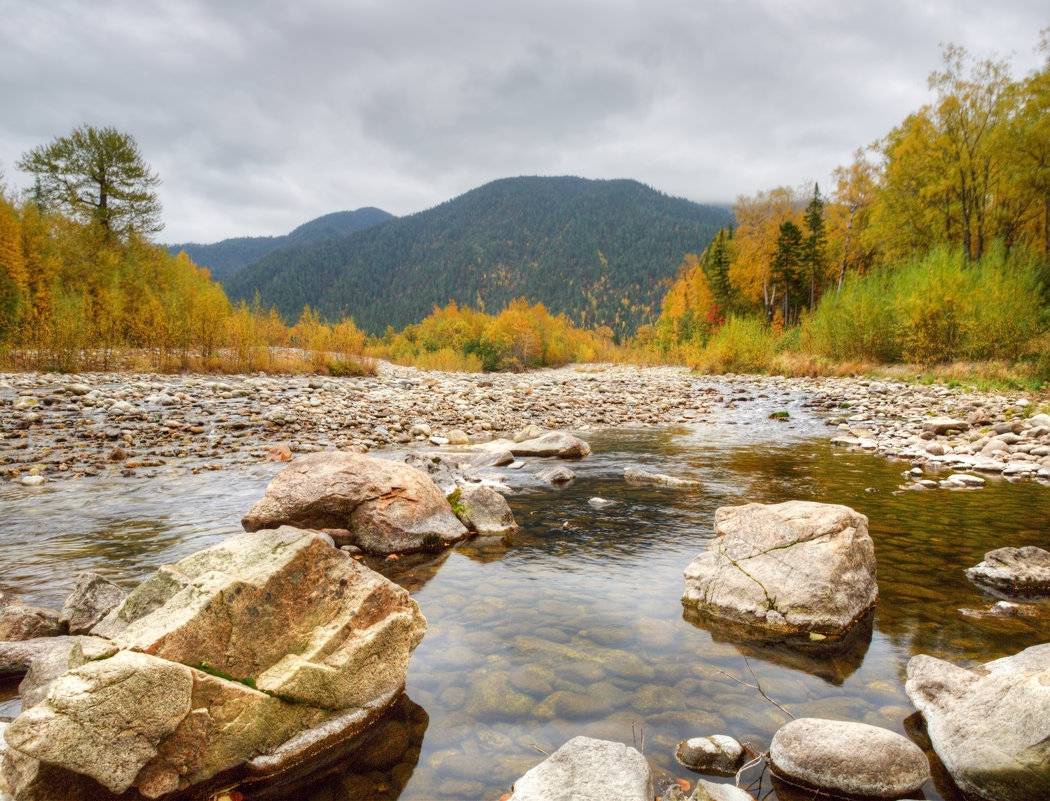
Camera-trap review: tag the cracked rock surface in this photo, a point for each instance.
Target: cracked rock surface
(790, 568)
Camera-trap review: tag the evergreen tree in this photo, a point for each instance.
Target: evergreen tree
(815, 244)
(787, 265)
(97, 175)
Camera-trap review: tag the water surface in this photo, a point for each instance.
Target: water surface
(576, 627)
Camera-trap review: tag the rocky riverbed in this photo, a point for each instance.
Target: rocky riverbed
(55, 427)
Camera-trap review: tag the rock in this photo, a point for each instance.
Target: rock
(32, 481)
(990, 725)
(280, 452)
(963, 480)
(21, 622)
(303, 645)
(531, 431)
(477, 461)
(600, 503)
(553, 443)
(718, 754)
(483, 510)
(135, 720)
(556, 474)
(493, 698)
(789, 569)
(48, 664)
(707, 791)
(587, 768)
(17, 657)
(388, 507)
(457, 437)
(942, 425)
(92, 599)
(282, 608)
(635, 475)
(849, 758)
(1022, 572)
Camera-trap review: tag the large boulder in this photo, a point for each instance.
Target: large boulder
(788, 569)
(852, 759)
(383, 506)
(137, 720)
(281, 608)
(92, 598)
(243, 650)
(989, 725)
(1016, 572)
(587, 768)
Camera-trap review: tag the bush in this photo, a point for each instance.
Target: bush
(932, 310)
(742, 345)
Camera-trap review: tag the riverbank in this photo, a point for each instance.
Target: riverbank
(60, 427)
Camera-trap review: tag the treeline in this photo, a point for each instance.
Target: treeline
(931, 246)
(520, 337)
(74, 298)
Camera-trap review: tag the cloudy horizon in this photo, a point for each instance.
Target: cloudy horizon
(260, 116)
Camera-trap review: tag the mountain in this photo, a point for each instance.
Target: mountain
(225, 258)
(601, 252)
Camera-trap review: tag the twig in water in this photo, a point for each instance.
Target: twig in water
(634, 737)
(755, 686)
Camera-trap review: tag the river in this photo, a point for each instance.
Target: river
(576, 626)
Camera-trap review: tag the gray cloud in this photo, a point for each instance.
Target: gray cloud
(260, 115)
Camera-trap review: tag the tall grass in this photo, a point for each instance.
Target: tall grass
(742, 345)
(932, 310)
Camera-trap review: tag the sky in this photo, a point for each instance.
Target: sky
(260, 115)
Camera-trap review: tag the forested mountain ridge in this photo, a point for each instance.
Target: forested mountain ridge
(601, 252)
(223, 259)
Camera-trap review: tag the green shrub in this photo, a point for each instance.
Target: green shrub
(742, 345)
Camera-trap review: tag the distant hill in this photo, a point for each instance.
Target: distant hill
(225, 258)
(601, 252)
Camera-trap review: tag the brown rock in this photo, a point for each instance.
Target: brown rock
(388, 507)
(21, 622)
(279, 453)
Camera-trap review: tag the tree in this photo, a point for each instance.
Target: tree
(98, 176)
(815, 243)
(854, 191)
(786, 267)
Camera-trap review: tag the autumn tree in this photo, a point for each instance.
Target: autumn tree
(97, 176)
(849, 214)
(1032, 137)
(947, 166)
(758, 222)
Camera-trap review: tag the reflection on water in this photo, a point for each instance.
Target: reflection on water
(575, 626)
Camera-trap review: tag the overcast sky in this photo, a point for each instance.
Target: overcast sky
(262, 114)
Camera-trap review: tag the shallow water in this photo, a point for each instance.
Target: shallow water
(576, 627)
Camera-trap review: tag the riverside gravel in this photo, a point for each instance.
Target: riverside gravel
(59, 427)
